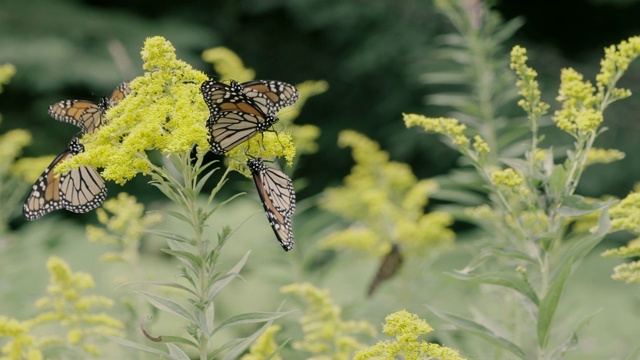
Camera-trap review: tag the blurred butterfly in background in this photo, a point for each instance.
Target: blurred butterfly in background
(87, 115)
(80, 190)
(389, 266)
(239, 111)
(83, 189)
(278, 199)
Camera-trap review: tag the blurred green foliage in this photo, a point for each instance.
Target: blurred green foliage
(372, 54)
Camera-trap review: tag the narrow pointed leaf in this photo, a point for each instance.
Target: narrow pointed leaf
(160, 283)
(225, 280)
(184, 255)
(167, 305)
(549, 304)
(135, 345)
(202, 181)
(572, 341)
(479, 330)
(576, 205)
(244, 344)
(177, 353)
(177, 215)
(582, 246)
(500, 279)
(179, 340)
(167, 234)
(250, 318)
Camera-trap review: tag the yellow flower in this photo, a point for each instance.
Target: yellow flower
(445, 126)
(124, 223)
(625, 215)
(325, 333)
(386, 203)
(6, 73)
(603, 156)
(507, 177)
(228, 64)
(406, 328)
(264, 345)
(165, 111)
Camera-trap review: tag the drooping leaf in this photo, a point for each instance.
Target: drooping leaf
(135, 345)
(250, 318)
(177, 353)
(576, 205)
(168, 306)
(507, 280)
(549, 305)
(480, 330)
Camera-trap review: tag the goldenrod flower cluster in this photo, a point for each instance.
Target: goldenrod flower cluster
(124, 227)
(165, 111)
(6, 73)
(603, 156)
(228, 64)
(508, 178)
(616, 60)
(325, 333)
(529, 87)
(66, 305)
(385, 202)
(264, 346)
(625, 215)
(407, 328)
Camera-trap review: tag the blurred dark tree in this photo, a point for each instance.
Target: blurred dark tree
(371, 52)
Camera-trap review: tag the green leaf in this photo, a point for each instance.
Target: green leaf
(203, 180)
(250, 318)
(168, 234)
(235, 352)
(507, 29)
(179, 340)
(549, 304)
(513, 254)
(557, 181)
(480, 330)
(220, 283)
(176, 215)
(500, 279)
(575, 205)
(160, 283)
(571, 342)
(189, 257)
(177, 353)
(582, 245)
(135, 345)
(167, 305)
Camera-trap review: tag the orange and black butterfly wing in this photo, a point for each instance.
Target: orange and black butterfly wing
(45, 196)
(279, 93)
(86, 115)
(80, 190)
(229, 129)
(120, 92)
(279, 204)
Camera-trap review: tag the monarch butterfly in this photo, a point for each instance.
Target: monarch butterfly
(80, 190)
(86, 115)
(239, 111)
(278, 199)
(389, 265)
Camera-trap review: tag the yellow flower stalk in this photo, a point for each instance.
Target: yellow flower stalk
(385, 202)
(264, 345)
(228, 64)
(124, 222)
(66, 305)
(407, 328)
(165, 111)
(326, 335)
